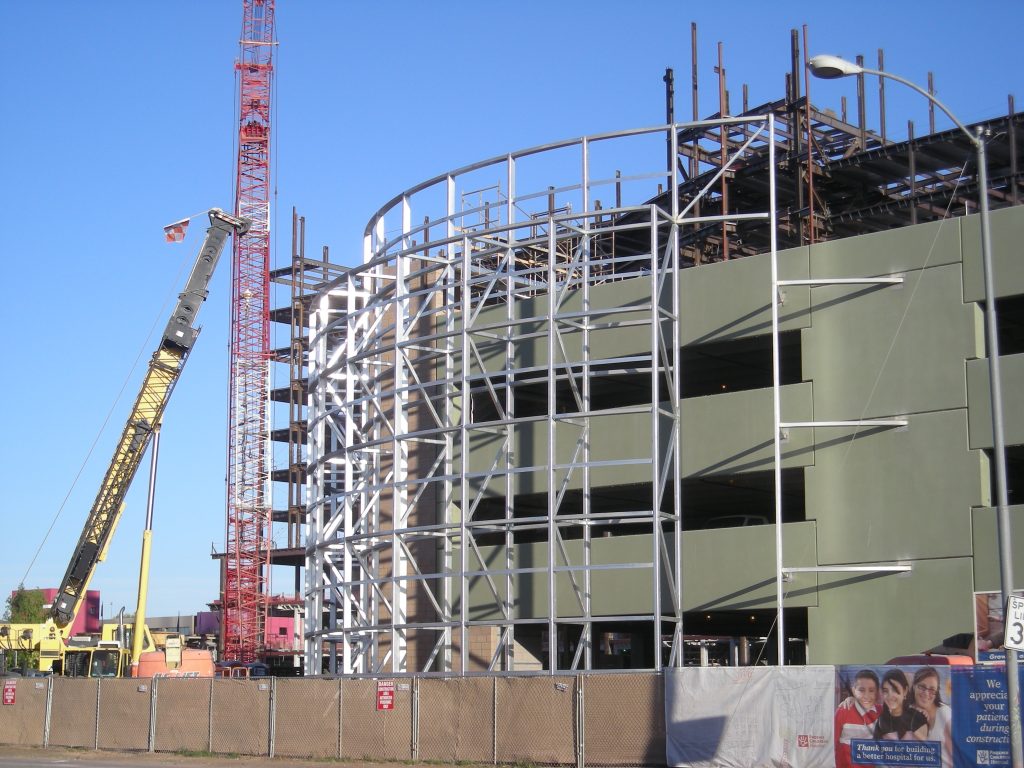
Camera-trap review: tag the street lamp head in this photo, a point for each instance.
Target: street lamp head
(830, 67)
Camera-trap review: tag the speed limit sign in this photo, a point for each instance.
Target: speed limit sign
(1014, 623)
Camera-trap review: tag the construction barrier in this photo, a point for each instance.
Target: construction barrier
(804, 717)
(567, 720)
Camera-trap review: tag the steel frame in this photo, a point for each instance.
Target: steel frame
(415, 443)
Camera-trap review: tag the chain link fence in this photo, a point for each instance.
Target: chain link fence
(307, 718)
(456, 719)
(123, 721)
(182, 715)
(23, 725)
(615, 719)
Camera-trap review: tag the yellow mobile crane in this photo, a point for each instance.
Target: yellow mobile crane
(111, 657)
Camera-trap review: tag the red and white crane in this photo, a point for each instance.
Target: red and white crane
(247, 556)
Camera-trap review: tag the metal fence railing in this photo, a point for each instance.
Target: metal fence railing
(615, 719)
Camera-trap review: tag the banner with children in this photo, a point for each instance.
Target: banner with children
(893, 716)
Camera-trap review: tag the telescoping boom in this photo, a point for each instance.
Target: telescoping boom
(164, 370)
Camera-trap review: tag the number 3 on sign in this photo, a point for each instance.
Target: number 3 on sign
(1015, 623)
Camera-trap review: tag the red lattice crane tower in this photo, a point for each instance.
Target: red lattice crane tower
(247, 558)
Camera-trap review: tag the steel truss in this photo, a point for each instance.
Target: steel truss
(461, 344)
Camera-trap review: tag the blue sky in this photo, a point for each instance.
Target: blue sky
(118, 118)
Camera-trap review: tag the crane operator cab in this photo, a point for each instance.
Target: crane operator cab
(94, 662)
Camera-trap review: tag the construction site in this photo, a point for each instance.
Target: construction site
(687, 395)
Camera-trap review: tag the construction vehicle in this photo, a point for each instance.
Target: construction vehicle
(111, 655)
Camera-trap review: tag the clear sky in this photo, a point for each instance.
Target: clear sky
(117, 118)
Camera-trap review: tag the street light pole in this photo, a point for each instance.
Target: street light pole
(831, 67)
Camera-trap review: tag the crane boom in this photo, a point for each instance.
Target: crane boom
(164, 370)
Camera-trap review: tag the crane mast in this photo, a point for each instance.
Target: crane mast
(247, 536)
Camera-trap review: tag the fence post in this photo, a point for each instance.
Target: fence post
(580, 717)
(96, 729)
(415, 746)
(341, 719)
(49, 709)
(273, 715)
(209, 725)
(494, 720)
(152, 714)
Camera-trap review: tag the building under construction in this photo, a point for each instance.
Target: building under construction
(701, 393)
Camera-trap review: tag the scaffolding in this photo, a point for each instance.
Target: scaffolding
(443, 454)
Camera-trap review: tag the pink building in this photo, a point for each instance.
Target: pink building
(88, 619)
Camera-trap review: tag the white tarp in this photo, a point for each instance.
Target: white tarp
(749, 716)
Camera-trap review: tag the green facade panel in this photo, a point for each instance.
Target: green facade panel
(986, 548)
(732, 432)
(979, 401)
(894, 252)
(876, 351)
(871, 618)
(885, 495)
(734, 569)
(732, 299)
(1007, 250)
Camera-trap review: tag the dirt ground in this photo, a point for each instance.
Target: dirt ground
(15, 756)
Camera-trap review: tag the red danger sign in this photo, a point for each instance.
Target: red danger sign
(10, 688)
(385, 695)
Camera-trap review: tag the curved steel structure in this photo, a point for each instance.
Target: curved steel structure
(463, 517)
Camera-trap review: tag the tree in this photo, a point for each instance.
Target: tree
(25, 606)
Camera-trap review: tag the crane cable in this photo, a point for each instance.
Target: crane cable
(162, 312)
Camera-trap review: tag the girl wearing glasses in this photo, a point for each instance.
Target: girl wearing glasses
(926, 697)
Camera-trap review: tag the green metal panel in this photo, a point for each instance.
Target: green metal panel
(732, 432)
(1007, 254)
(871, 618)
(732, 299)
(624, 438)
(986, 548)
(895, 494)
(615, 592)
(894, 251)
(734, 568)
(979, 401)
(882, 351)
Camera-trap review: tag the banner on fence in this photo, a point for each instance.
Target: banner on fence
(743, 716)
(981, 724)
(891, 715)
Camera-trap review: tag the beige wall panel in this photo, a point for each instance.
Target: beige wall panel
(73, 713)
(624, 720)
(241, 716)
(22, 722)
(307, 718)
(124, 714)
(536, 719)
(457, 720)
(183, 715)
